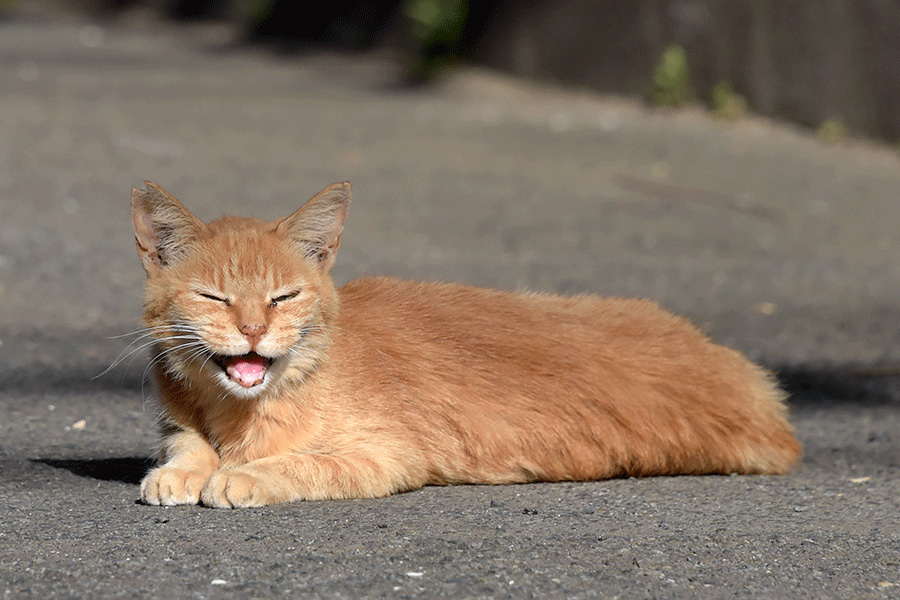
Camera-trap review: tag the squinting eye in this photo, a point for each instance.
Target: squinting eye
(284, 298)
(226, 301)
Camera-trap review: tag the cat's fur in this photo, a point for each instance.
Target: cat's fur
(387, 385)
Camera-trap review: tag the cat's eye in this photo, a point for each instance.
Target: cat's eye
(209, 296)
(284, 297)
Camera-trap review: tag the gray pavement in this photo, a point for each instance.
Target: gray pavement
(775, 244)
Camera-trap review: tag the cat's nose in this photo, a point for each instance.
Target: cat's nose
(253, 331)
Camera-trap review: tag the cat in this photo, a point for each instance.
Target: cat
(275, 386)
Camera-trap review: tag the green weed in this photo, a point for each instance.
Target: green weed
(671, 85)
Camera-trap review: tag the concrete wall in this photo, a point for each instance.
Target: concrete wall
(802, 60)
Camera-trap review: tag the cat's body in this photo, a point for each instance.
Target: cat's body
(287, 389)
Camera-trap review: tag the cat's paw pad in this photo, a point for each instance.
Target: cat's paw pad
(167, 487)
(234, 489)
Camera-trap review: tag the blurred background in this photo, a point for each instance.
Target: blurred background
(830, 65)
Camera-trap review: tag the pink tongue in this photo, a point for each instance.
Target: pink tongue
(248, 370)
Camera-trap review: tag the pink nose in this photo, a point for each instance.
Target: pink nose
(254, 332)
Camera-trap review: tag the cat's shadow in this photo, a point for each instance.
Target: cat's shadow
(126, 469)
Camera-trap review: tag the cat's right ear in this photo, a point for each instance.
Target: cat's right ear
(163, 228)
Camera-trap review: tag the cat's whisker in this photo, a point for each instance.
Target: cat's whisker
(194, 355)
(144, 331)
(206, 361)
(156, 337)
(175, 328)
(147, 370)
(200, 353)
(178, 326)
(127, 353)
(183, 346)
(156, 359)
(142, 336)
(159, 355)
(296, 350)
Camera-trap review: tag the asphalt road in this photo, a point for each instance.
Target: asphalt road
(774, 243)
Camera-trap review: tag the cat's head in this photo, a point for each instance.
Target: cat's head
(238, 304)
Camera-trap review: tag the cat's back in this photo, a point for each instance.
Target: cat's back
(437, 310)
(582, 345)
(458, 326)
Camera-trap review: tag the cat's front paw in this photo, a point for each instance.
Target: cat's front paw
(235, 488)
(167, 486)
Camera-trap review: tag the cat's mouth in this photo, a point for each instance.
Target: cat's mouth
(248, 370)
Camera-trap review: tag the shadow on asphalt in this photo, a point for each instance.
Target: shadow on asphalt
(78, 381)
(127, 470)
(836, 384)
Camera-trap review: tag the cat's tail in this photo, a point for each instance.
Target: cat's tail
(771, 446)
(731, 419)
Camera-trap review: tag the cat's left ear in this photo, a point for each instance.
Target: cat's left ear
(316, 228)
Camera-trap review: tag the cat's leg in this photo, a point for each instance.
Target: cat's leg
(188, 461)
(306, 477)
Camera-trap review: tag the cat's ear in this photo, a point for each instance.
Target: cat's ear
(163, 228)
(316, 228)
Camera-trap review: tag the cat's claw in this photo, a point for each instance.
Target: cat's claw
(234, 489)
(166, 486)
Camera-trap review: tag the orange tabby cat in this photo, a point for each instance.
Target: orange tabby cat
(275, 386)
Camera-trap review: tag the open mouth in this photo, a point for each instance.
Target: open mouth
(248, 370)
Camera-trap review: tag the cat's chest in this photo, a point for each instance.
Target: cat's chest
(251, 433)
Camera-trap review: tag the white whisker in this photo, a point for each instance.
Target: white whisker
(144, 331)
(126, 353)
